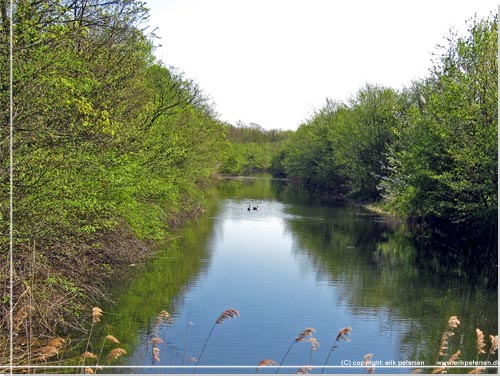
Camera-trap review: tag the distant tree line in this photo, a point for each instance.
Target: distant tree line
(251, 148)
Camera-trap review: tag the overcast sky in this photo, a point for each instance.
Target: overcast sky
(272, 62)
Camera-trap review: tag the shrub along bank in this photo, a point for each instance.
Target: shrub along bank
(110, 151)
(428, 151)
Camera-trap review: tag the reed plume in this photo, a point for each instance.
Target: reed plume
(227, 314)
(156, 354)
(368, 359)
(314, 346)
(494, 344)
(304, 370)
(88, 354)
(89, 370)
(111, 338)
(343, 334)
(443, 347)
(453, 323)
(307, 332)
(481, 345)
(477, 370)
(96, 315)
(367, 363)
(51, 349)
(115, 354)
(47, 352)
(453, 359)
(155, 341)
(265, 363)
(163, 316)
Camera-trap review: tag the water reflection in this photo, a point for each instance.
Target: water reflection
(296, 262)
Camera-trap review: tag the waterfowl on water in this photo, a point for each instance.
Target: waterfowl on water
(248, 208)
(255, 207)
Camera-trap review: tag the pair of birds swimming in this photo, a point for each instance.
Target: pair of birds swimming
(254, 208)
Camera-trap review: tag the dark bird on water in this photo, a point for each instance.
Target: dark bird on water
(255, 207)
(248, 208)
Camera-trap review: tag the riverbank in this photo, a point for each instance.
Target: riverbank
(56, 287)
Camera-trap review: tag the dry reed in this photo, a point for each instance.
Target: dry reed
(453, 322)
(96, 315)
(443, 347)
(156, 354)
(438, 370)
(156, 340)
(304, 370)
(314, 343)
(367, 363)
(57, 342)
(343, 334)
(494, 344)
(477, 370)
(51, 349)
(112, 339)
(307, 332)
(227, 314)
(115, 354)
(21, 315)
(481, 345)
(88, 354)
(163, 316)
(265, 363)
(47, 352)
(89, 370)
(368, 359)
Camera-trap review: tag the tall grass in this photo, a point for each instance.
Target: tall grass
(486, 347)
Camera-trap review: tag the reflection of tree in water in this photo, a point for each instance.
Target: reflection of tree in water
(144, 290)
(378, 268)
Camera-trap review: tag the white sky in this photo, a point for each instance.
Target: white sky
(272, 62)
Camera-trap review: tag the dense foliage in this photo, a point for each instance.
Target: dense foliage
(105, 138)
(252, 148)
(428, 151)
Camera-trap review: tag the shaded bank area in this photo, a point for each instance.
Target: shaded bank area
(442, 247)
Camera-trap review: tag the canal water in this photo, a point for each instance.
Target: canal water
(294, 263)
